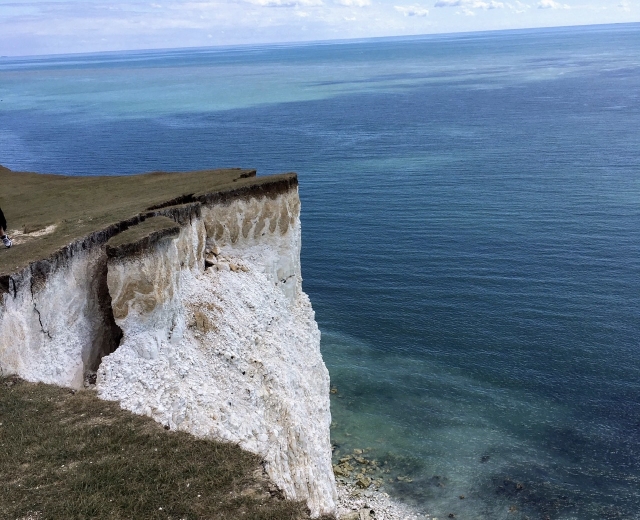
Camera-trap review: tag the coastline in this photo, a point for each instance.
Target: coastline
(360, 504)
(360, 481)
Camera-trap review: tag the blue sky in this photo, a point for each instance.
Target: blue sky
(65, 26)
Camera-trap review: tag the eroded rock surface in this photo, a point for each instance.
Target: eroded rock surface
(231, 352)
(56, 322)
(215, 335)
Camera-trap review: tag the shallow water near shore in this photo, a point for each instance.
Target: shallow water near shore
(471, 235)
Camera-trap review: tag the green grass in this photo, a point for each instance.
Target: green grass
(142, 230)
(66, 455)
(77, 206)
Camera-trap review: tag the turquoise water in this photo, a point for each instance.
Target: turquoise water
(471, 235)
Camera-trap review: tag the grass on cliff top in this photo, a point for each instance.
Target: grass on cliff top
(46, 212)
(148, 227)
(67, 455)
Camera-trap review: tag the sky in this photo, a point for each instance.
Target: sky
(29, 27)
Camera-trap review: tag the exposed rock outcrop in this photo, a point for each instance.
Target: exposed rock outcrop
(55, 319)
(214, 334)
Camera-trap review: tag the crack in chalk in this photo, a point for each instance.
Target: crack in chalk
(35, 308)
(172, 327)
(40, 320)
(285, 280)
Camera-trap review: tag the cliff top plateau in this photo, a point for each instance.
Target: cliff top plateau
(46, 213)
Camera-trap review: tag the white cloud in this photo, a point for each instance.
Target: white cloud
(353, 3)
(551, 4)
(412, 10)
(470, 4)
(519, 7)
(48, 26)
(625, 6)
(286, 3)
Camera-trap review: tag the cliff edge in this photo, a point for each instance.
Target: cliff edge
(183, 292)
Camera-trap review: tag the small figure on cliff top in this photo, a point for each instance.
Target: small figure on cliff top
(3, 234)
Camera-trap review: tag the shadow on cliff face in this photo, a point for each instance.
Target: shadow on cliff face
(67, 454)
(110, 335)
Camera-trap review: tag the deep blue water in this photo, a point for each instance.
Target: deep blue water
(471, 235)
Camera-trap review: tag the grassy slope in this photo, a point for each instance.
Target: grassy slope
(72, 456)
(81, 205)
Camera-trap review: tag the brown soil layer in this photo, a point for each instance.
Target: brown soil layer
(141, 236)
(49, 213)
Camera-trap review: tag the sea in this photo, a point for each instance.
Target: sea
(471, 235)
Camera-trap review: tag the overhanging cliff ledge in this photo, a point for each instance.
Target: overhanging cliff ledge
(181, 294)
(55, 213)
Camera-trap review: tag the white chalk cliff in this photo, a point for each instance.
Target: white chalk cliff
(215, 336)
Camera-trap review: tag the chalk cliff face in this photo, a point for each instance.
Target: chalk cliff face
(56, 321)
(217, 337)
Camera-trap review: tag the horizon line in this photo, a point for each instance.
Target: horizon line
(337, 41)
